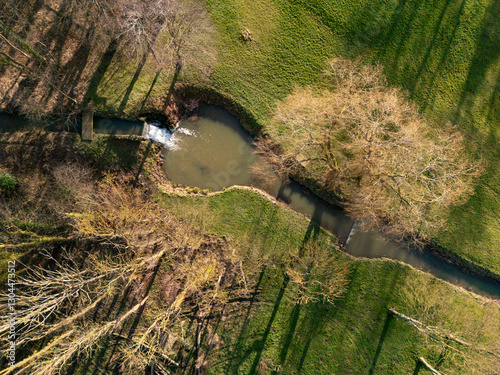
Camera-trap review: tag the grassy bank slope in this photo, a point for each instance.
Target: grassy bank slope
(271, 334)
(445, 53)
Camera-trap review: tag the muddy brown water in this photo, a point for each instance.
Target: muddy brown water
(211, 150)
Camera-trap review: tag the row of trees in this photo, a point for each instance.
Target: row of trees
(91, 292)
(367, 142)
(83, 35)
(133, 277)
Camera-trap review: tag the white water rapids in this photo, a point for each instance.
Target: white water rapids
(167, 137)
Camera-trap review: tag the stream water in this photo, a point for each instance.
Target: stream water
(211, 150)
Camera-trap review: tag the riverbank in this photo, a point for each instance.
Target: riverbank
(451, 74)
(270, 330)
(267, 329)
(471, 247)
(188, 94)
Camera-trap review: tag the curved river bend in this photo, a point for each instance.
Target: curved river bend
(213, 151)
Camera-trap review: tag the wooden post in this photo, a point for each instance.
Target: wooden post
(88, 123)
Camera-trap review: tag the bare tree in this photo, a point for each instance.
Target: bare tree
(58, 353)
(368, 143)
(190, 35)
(47, 293)
(59, 308)
(318, 275)
(95, 34)
(138, 26)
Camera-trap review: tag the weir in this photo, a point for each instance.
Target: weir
(88, 123)
(213, 151)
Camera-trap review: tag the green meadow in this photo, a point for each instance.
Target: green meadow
(446, 54)
(271, 334)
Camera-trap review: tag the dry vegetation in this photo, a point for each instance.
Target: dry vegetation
(367, 142)
(114, 253)
(105, 271)
(118, 283)
(317, 276)
(54, 54)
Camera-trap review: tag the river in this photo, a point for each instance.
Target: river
(211, 150)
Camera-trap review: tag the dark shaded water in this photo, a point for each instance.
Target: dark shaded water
(116, 126)
(213, 151)
(11, 123)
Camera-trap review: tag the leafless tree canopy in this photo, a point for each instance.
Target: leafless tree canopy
(60, 50)
(368, 143)
(318, 276)
(119, 245)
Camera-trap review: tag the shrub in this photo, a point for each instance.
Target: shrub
(8, 183)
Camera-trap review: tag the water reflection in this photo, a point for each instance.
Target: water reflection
(213, 151)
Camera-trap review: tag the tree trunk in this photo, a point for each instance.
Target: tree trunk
(428, 367)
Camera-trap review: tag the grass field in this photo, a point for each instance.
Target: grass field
(272, 334)
(446, 53)
(269, 332)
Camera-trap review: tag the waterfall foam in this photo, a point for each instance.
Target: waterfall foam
(167, 137)
(158, 134)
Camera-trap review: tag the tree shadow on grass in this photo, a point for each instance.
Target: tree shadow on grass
(313, 228)
(480, 207)
(485, 59)
(319, 322)
(144, 158)
(131, 85)
(294, 318)
(388, 319)
(148, 94)
(312, 231)
(414, 38)
(239, 354)
(262, 342)
(243, 348)
(99, 73)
